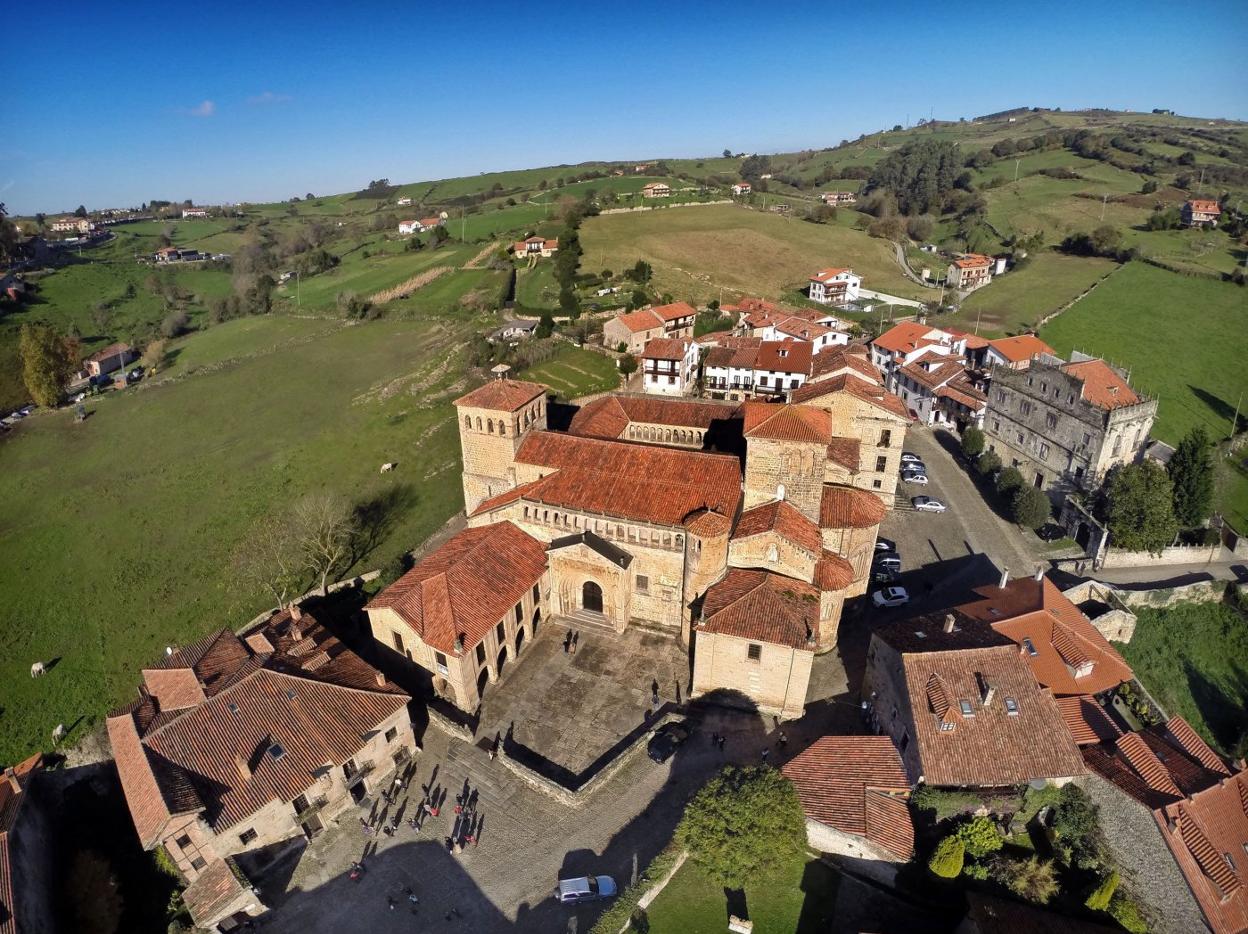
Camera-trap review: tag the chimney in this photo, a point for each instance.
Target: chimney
(949, 621)
(1005, 578)
(381, 679)
(295, 612)
(1039, 572)
(244, 770)
(12, 777)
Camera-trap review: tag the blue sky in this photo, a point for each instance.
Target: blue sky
(115, 104)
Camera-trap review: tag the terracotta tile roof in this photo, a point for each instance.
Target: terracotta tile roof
(1158, 765)
(1208, 836)
(993, 745)
(110, 351)
(505, 498)
(846, 507)
(845, 452)
(905, 337)
(464, 587)
(805, 330)
(504, 395)
(610, 416)
(876, 396)
(738, 352)
(707, 524)
(832, 572)
(776, 422)
(935, 377)
(1087, 720)
(1199, 206)
(784, 356)
(631, 481)
(857, 785)
(11, 801)
(674, 311)
(762, 606)
(824, 275)
(430, 221)
(664, 348)
(213, 891)
(643, 320)
(1102, 386)
(1071, 656)
(784, 520)
(1020, 348)
(973, 261)
(973, 341)
(830, 361)
(755, 305)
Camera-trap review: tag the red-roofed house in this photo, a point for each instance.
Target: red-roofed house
(535, 246)
(113, 357)
(742, 188)
(834, 286)
(1016, 352)
(656, 190)
(1201, 212)
(669, 366)
(632, 331)
(237, 745)
(834, 198)
(28, 887)
(855, 795)
(1176, 818)
(744, 367)
(969, 272)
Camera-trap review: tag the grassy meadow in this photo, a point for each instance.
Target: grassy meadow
(117, 532)
(574, 371)
(1019, 299)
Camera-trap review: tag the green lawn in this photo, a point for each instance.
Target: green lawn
(1182, 339)
(387, 265)
(1052, 205)
(536, 288)
(1193, 657)
(574, 371)
(1019, 299)
(116, 534)
(1189, 250)
(801, 901)
(453, 290)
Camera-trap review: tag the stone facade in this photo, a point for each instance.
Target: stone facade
(1148, 869)
(489, 440)
(857, 546)
(1039, 422)
(788, 470)
(881, 435)
(775, 680)
(856, 852)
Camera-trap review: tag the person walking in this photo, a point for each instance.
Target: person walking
(721, 745)
(575, 638)
(567, 642)
(714, 739)
(783, 741)
(766, 752)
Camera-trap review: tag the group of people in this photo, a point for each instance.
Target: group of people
(570, 641)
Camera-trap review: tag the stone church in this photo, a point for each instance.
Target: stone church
(747, 560)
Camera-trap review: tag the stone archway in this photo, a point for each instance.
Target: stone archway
(537, 618)
(591, 597)
(482, 680)
(519, 640)
(502, 660)
(1083, 536)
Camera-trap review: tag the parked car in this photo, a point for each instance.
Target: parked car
(136, 373)
(890, 596)
(927, 504)
(882, 575)
(585, 889)
(915, 477)
(908, 458)
(892, 562)
(666, 739)
(885, 544)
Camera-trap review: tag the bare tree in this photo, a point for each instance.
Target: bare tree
(270, 558)
(326, 528)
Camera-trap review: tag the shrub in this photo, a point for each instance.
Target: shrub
(979, 836)
(1076, 824)
(1030, 507)
(175, 323)
(1127, 914)
(1009, 480)
(989, 463)
(946, 861)
(1032, 879)
(1099, 898)
(972, 442)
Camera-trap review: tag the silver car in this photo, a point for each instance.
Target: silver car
(585, 889)
(927, 504)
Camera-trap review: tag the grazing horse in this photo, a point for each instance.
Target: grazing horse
(37, 669)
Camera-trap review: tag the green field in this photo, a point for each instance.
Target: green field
(536, 287)
(117, 532)
(387, 265)
(1019, 299)
(801, 901)
(1052, 205)
(574, 371)
(699, 253)
(1182, 338)
(1200, 251)
(1193, 657)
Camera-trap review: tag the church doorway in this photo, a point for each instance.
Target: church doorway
(537, 618)
(591, 597)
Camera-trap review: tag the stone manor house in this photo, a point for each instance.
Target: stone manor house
(627, 519)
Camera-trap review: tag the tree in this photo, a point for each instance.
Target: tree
(1009, 480)
(972, 442)
(545, 325)
(269, 558)
(1191, 473)
(638, 298)
(948, 857)
(1077, 829)
(640, 272)
(989, 463)
(743, 823)
(175, 323)
(48, 362)
(628, 365)
(80, 211)
(979, 836)
(920, 173)
(569, 304)
(1030, 507)
(1032, 879)
(727, 153)
(1140, 507)
(1100, 897)
(327, 529)
(1127, 914)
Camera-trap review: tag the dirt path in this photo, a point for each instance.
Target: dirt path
(480, 257)
(404, 289)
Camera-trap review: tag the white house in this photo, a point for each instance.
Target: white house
(536, 246)
(420, 226)
(939, 390)
(742, 188)
(838, 197)
(656, 190)
(403, 202)
(834, 286)
(194, 212)
(669, 366)
(744, 367)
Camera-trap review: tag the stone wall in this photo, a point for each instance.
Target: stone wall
(857, 853)
(1175, 554)
(1149, 872)
(787, 470)
(773, 552)
(1211, 591)
(1116, 625)
(776, 682)
(881, 437)
(488, 441)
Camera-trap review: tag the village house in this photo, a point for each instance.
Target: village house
(962, 706)
(834, 286)
(420, 226)
(71, 225)
(29, 886)
(536, 246)
(1066, 424)
(742, 188)
(1199, 212)
(940, 390)
(1015, 353)
(194, 212)
(1175, 819)
(834, 198)
(855, 794)
(853, 359)
(102, 362)
(669, 366)
(514, 331)
(656, 190)
(969, 272)
(748, 367)
(632, 331)
(240, 747)
(173, 254)
(404, 201)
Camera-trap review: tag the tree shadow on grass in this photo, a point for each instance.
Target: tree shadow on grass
(376, 516)
(1224, 411)
(1221, 705)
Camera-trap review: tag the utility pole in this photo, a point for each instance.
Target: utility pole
(1016, 161)
(1235, 420)
(298, 290)
(1104, 198)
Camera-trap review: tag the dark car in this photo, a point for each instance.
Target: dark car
(665, 740)
(881, 575)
